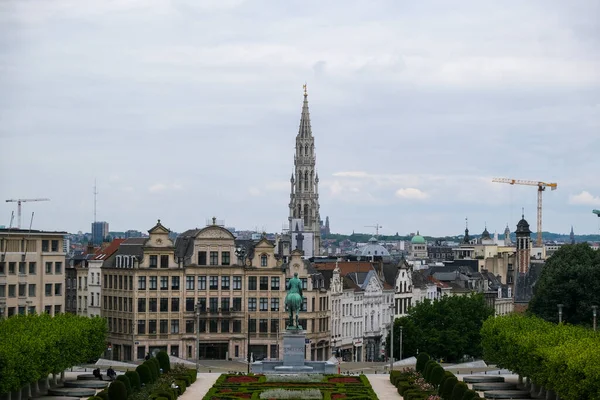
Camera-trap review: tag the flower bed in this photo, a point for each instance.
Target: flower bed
(291, 387)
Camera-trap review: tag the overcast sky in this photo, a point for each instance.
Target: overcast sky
(187, 109)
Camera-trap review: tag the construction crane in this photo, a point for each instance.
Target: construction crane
(541, 188)
(19, 201)
(376, 226)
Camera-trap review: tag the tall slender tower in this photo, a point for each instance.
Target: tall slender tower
(304, 196)
(523, 246)
(572, 235)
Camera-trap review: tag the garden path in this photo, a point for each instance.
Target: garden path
(383, 388)
(198, 389)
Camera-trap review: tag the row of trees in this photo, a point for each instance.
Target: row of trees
(562, 358)
(34, 346)
(447, 328)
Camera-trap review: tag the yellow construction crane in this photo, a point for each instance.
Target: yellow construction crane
(541, 188)
(19, 201)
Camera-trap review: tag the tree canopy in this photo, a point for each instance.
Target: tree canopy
(447, 328)
(34, 346)
(571, 276)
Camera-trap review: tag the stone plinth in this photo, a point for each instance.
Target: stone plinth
(507, 394)
(294, 345)
(482, 379)
(485, 386)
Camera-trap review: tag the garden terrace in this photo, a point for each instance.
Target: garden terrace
(331, 387)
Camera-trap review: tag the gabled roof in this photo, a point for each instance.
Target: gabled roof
(108, 251)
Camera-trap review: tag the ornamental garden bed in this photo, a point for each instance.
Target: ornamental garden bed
(291, 387)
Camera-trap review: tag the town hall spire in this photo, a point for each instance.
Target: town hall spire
(304, 198)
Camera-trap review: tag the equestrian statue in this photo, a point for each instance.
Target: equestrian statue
(293, 300)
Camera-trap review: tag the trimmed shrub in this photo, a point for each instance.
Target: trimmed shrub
(193, 374)
(156, 363)
(447, 374)
(153, 370)
(103, 395)
(470, 395)
(144, 374)
(446, 390)
(95, 398)
(428, 366)
(436, 375)
(161, 398)
(117, 391)
(182, 386)
(422, 359)
(134, 380)
(459, 390)
(403, 387)
(163, 360)
(126, 382)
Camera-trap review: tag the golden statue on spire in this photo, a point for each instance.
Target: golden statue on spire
(304, 86)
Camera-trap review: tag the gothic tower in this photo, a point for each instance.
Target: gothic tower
(572, 235)
(304, 196)
(523, 246)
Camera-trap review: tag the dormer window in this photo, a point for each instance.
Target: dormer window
(263, 260)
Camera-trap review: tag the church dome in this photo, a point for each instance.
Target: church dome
(523, 226)
(485, 234)
(373, 248)
(417, 239)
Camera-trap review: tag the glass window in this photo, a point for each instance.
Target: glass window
(214, 258)
(152, 304)
(237, 304)
(225, 304)
(275, 283)
(174, 283)
(224, 326)
(252, 326)
(189, 326)
(164, 326)
(31, 290)
(274, 325)
(174, 326)
(214, 283)
(251, 283)
(58, 267)
(251, 303)
(274, 304)
(164, 283)
(22, 289)
(141, 282)
(141, 326)
(189, 282)
(202, 282)
(237, 283)
(264, 304)
(55, 245)
(213, 326)
(225, 282)
(189, 304)
(152, 326)
(153, 261)
(164, 261)
(225, 258)
(264, 283)
(201, 258)
(45, 245)
(164, 305)
(48, 289)
(237, 326)
(22, 268)
(153, 282)
(263, 260)
(32, 268)
(202, 327)
(174, 304)
(141, 305)
(48, 267)
(214, 304)
(304, 283)
(263, 325)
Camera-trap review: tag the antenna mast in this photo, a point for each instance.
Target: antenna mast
(95, 193)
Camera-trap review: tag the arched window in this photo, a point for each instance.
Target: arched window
(300, 150)
(306, 214)
(306, 150)
(306, 181)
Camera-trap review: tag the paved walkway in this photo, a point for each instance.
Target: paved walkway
(383, 388)
(198, 389)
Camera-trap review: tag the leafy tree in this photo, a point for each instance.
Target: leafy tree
(447, 328)
(570, 277)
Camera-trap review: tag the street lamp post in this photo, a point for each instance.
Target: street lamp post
(392, 338)
(400, 358)
(198, 336)
(560, 308)
(594, 311)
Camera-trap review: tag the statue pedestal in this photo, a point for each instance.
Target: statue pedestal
(294, 347)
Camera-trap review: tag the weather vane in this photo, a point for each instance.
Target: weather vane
(304, 86)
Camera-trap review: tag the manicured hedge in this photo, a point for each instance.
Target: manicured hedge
(422, 359)
(163, 360)
(562, 358)
(117, 391)
(34, 346)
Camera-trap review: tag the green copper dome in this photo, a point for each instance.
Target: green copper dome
(417, 239)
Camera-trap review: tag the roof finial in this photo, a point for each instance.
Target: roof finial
(304, 87)
(466, 222)
(522, 212)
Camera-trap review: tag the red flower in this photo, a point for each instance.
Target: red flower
(241, 379)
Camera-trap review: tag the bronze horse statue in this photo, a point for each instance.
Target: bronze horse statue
(293, 300)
